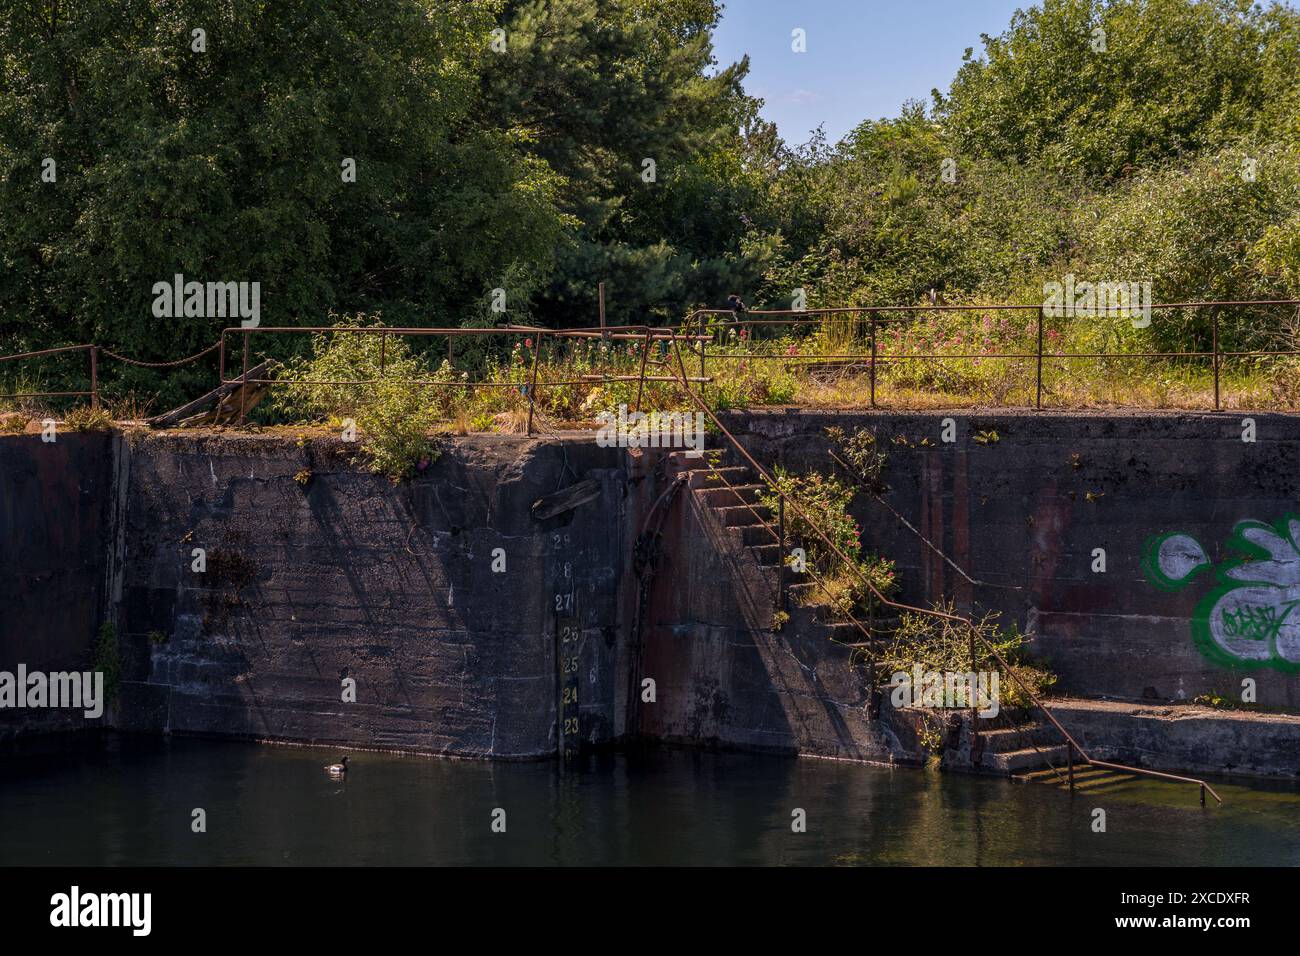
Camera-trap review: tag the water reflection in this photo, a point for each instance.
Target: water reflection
(122, 800)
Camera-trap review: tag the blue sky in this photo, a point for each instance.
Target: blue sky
(865, 57)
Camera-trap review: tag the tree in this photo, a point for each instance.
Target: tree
(220, 156)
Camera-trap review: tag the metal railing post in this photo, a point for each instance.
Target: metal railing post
(873, 360)
(645, 354)
(780, 534)
(243, 388)
(600, 293)
(532, 385)
(1214, 313)
(383, 351)
(1038, 378)
(1069, 752)
(94, 376)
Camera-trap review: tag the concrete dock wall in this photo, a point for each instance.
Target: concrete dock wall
(1027, 510)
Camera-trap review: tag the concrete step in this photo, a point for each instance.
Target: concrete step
(846, 632)
(724, 497)
(1029, 758)
(718, 477)
(739, 516)
(1006, 739)
(754, 535)
(767, 555)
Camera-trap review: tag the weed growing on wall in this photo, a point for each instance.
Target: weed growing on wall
(108, 660)
(84, 418)
(944, 646)
(393, 412)
(825, 501)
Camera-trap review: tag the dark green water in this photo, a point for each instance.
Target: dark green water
(127, 801)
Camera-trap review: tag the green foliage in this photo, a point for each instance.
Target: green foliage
(1173, 77)
(108, 659)
(85, 418)
(392, 410)
(943, 645)
(825, 501)
(226, 165)
(846, 583)
(862, 453)
(521, 169)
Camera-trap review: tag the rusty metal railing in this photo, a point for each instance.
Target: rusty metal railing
(694, 332)
(643, 335)
(92, 393)
(877, 315)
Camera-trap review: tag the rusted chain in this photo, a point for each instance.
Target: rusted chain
(183, 361)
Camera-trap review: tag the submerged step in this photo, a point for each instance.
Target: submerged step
(1105, 780)
(1048, 775)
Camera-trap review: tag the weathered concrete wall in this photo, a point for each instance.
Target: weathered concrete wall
(349, 576)
(54, 509)
(1025, 513)
(1187, 738)
(724, 677)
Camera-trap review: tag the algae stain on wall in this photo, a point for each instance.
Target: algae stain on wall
(1249, 617)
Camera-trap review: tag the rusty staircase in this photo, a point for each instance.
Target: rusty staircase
(733, 495)
(731, 491)
(735, 500)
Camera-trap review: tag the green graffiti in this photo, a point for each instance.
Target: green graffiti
(1246, 617)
